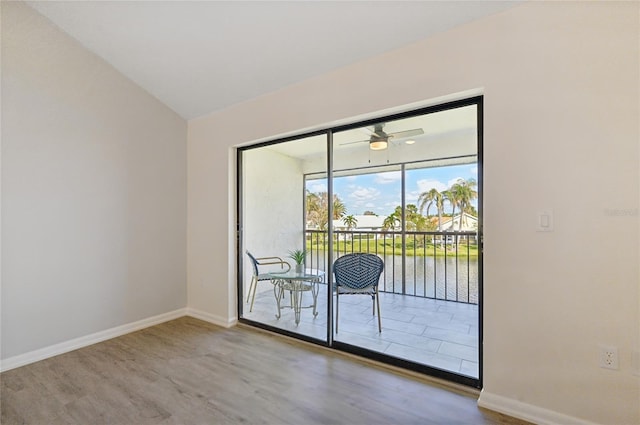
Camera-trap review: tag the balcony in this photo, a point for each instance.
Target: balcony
(428, 298)
(435, 265)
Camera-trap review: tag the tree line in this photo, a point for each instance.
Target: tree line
(459, 196)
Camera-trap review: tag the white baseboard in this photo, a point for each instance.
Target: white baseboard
(74, 344)
(208, 317)
(527, 412)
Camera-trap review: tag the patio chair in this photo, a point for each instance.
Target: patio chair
(258, 263)
(358, 273)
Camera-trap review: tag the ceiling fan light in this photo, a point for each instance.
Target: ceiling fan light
(377, 145)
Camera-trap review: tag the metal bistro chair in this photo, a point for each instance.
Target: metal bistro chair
(358, 273)
(257, 262)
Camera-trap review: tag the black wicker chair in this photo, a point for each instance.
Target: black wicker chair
(358, 273)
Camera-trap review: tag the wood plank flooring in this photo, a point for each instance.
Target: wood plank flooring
(191, 372)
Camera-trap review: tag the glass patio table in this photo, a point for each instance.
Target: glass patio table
(296, 283)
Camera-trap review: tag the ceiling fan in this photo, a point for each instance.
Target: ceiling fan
(379, 139)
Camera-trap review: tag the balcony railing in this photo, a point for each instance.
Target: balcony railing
(438, 265)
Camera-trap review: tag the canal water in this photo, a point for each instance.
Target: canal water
(451, 278)
(448, 278)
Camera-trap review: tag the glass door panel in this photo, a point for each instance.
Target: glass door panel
(441, 261)
(367, 179)
(408, 174)
(273, 227)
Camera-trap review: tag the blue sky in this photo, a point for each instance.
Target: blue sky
(380, 192)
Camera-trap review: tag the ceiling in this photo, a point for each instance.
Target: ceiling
(198, 57)
(458, 123)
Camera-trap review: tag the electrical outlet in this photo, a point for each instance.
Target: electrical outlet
(609, 357)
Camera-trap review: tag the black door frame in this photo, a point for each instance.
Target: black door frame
(330, 342)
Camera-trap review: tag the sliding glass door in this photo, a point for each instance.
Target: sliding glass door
(405, 189)
(272, 238)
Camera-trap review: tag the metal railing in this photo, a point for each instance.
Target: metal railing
(438, 265)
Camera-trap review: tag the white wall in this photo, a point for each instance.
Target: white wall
(93, 192)
(273, 209)
(561, 87)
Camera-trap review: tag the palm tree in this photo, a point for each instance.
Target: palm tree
(314, 210)
(390, 221)
(450, 196)
(350, 221)
(429, 198)
(318, 207)
(413, 219)
(339, 209)
(463, 191)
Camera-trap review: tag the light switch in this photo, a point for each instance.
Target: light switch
(545, 221)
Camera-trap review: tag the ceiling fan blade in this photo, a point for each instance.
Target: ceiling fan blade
(351, 143)
(406, 133)
(378, 133)
(369, 132)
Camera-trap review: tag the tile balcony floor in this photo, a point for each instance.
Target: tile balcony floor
(441, 334)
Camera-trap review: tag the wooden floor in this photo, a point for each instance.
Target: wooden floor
(190, 372)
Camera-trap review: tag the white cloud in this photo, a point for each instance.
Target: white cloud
(388, 177)
(364, 194)
(412, 197)
(473, 171)
(425, 185)
(317, 187)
